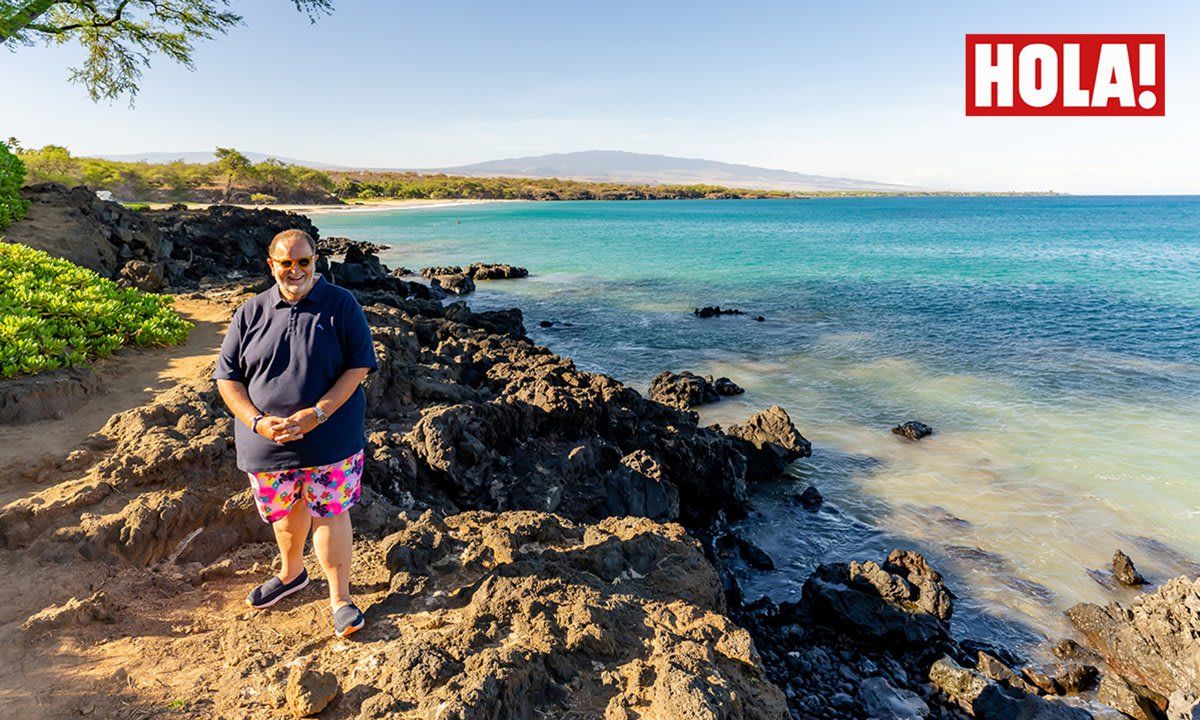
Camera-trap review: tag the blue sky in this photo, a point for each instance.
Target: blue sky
(870, 90)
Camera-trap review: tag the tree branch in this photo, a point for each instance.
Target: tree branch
(95, 23)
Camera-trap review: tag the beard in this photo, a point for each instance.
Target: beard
(298, 286)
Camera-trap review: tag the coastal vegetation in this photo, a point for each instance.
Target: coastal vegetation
(12, 176)
(55, 314)
(232, 177)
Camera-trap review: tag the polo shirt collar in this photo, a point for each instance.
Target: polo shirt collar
(315, 295)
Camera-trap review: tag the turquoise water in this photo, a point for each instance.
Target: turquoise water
(1053, 343)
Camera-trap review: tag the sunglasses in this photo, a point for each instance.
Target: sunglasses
(286, 263)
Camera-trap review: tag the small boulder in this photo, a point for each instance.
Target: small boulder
(145, 276)
(994, 668)
(724, 386)
(96, 608)
(899, 603)
(1136, 701)
(1068, 649)
(770, 442)
(1125, 572)
(880, 700)
(912, 430)
(682, 391)
(1075, 678)
(985, 699)
(754, 555)
(810, 499)
(714, 311)
(457, 284)
(309, 691)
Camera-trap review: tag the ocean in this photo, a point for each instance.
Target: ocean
(1053, 343)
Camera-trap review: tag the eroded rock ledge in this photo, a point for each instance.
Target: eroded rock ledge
(574, 590)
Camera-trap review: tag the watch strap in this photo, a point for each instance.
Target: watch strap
(254, 423)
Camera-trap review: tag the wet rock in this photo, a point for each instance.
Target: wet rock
(912, 430)
(714, 311)
(309, 691)
(456, 284)
(770, 442)
(724, 386)
(1154, 641)
(759, 318)
(755, 556)
(1125, 572)
(1041, 680)
(1134, 700)
(810, 498)
(1068, 649)
(995, 669)
(1076, 678)
(841, 701)
(880, 700)
(985, 699)
(682, 391)
(902, 601)
(732, 543)
(145, 276)
(477, 271)
(96, 608)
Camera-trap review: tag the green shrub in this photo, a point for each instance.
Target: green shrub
(263, 199)
(12, 176)
(140, 207)
(55, 314)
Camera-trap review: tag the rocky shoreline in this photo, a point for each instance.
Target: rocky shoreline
(547, 541)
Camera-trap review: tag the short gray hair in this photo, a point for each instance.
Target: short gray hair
(293, 234)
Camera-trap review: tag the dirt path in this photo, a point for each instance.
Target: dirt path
(131, 378)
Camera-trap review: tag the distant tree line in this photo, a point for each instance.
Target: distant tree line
(366, 185)
(232, 177)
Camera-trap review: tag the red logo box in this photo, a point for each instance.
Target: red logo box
(1072, 75)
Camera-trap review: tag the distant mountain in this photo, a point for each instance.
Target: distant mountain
(626, 167)
(593, 165)
(201, 156)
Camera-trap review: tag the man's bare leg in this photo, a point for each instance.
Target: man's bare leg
(290, 534)
(333, 539)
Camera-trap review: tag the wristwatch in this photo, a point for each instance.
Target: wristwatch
(254, 423)
(321, 416)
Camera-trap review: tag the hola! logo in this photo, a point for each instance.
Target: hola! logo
(1066, 75)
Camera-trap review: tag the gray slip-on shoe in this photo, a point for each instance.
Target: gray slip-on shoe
(274, 590)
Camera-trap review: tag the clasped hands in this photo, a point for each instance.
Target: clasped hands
(290, 428)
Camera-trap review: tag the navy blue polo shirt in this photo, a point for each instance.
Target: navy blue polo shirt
(288, 356)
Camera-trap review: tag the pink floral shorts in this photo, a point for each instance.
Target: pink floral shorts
(328, 490)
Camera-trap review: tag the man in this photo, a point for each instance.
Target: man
(290, 370)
